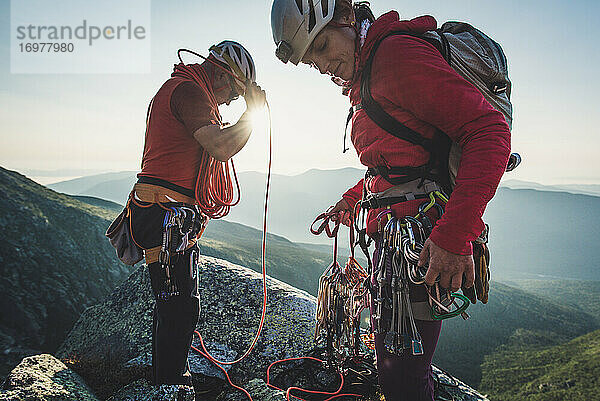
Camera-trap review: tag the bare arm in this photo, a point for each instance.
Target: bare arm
(224, 143)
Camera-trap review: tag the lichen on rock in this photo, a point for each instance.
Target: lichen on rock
(45, 378)
(142, 390)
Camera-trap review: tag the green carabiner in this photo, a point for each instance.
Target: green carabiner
(455, 313)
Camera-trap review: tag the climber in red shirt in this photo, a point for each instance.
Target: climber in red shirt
(184, 128)
(416, 86)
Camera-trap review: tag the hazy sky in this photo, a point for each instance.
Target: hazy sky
(96, 122)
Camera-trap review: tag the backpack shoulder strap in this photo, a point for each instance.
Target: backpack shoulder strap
(438, 147)
(374, 109)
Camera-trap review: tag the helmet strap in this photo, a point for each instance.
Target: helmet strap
(233, 94)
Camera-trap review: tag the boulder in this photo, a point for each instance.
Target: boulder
(257, 388)
(143, 390)
(457, 390)
(114, 338)
(43, 377)
(115, 335)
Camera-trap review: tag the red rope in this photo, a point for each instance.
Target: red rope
(204, 352)
(213, 191)
(336, 394)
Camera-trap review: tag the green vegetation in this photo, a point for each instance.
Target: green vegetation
(510, 313)
(566, 372)
(584, 295)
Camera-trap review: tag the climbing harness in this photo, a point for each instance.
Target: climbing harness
(180, 227)
(396, 269)
(402, 241)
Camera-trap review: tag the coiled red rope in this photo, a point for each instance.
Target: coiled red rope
(213, 191)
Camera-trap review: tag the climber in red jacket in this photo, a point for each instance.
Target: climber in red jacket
(415, 85)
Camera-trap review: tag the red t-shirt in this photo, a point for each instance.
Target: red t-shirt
(171, 152)
(415, 84)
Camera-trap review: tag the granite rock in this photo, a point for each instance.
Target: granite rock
(43, 377)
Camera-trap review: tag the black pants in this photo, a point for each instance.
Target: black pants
(174, 319)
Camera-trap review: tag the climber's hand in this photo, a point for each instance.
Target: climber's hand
(342, 208)
(448, 266)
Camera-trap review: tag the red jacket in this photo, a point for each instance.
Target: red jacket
(415, 84)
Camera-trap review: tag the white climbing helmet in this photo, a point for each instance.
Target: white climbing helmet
(295, 23)
(236, 57)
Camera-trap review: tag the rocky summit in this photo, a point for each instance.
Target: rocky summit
(43, 377)
(109, 347)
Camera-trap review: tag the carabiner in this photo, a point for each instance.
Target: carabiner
(459, 311)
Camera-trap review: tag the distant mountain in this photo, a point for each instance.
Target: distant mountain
(583, 189)
(569, 371)
(62, 172)
(105, 204)
(110, 186)
(294, 200)
(543, 235)
(534, 233)
(586, 189)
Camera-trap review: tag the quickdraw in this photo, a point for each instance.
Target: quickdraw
(343, 295)
(401, 243)
(181, 225)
